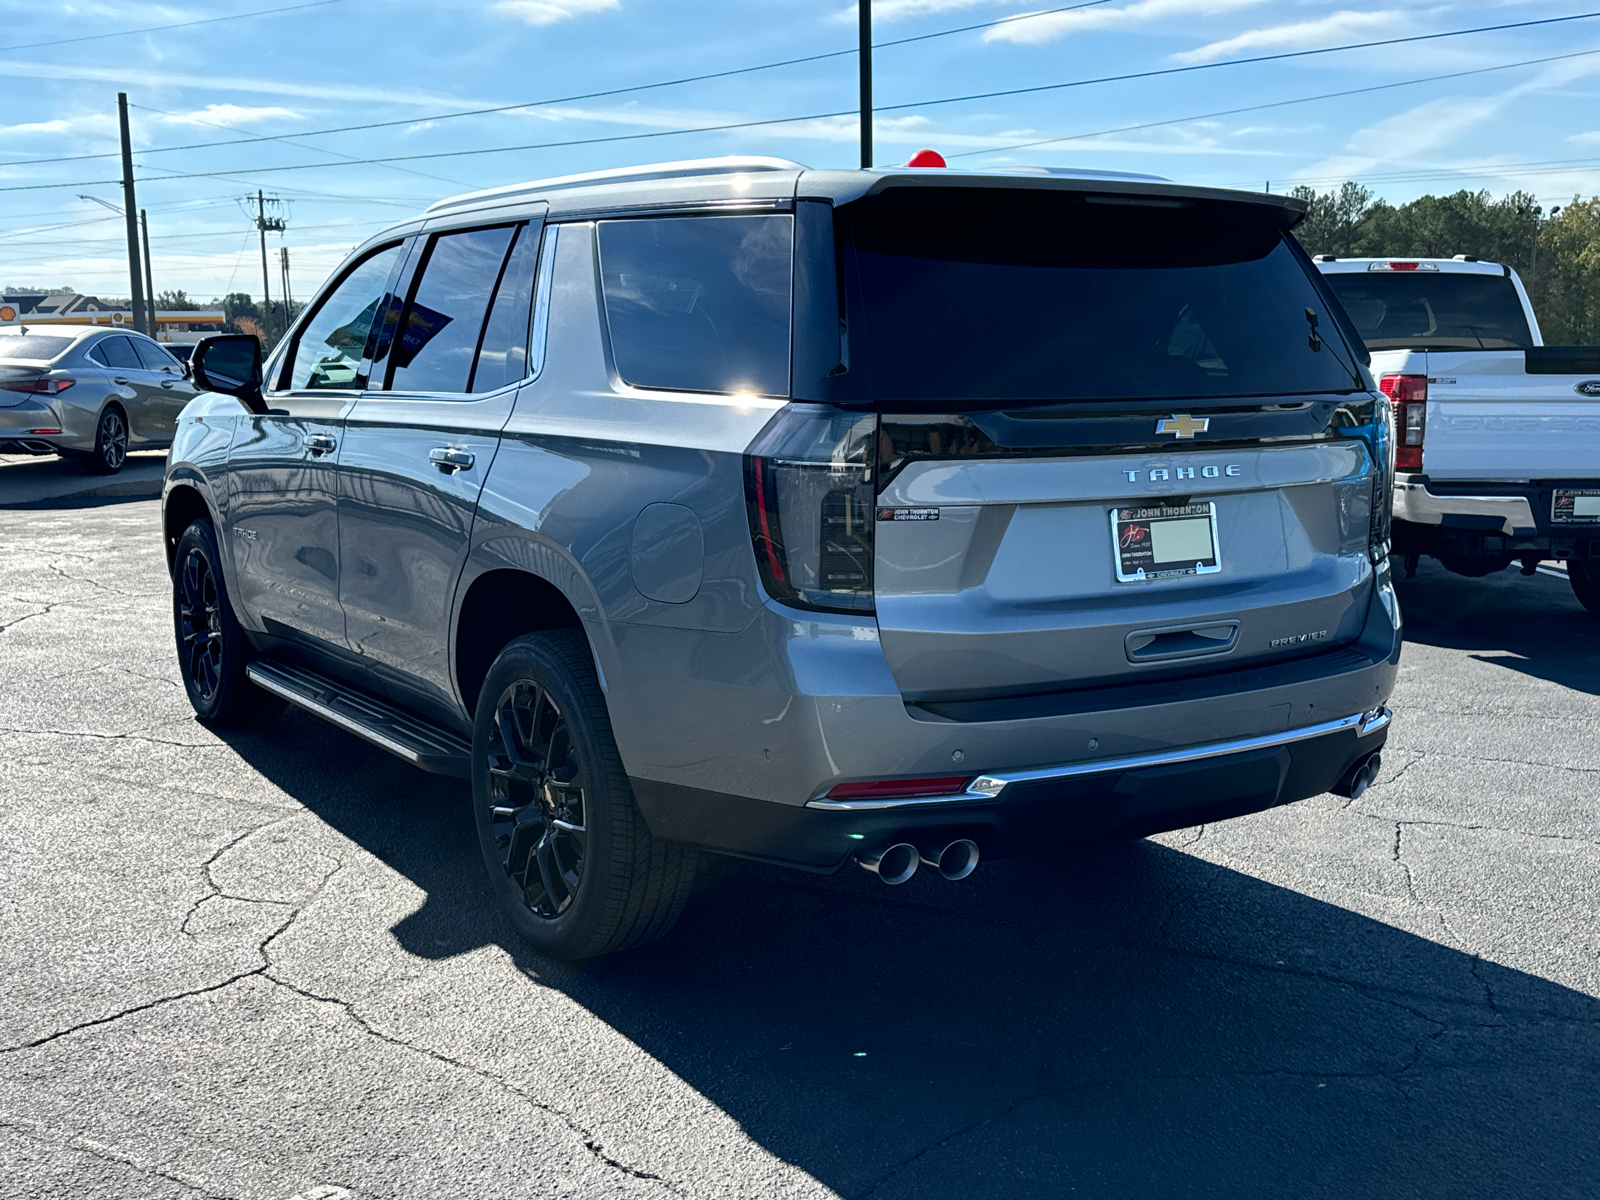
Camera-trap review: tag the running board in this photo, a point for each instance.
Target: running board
(419, 742)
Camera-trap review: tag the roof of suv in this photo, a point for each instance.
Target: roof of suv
(1460, 265)
(756, 182)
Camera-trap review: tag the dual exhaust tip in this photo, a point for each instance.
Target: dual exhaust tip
(897, 863)
(1359, 777)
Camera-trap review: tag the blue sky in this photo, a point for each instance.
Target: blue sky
(358, 61)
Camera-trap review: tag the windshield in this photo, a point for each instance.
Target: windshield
(1440, 310)
(31, 347)
(987, 300)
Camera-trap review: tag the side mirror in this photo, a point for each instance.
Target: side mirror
(229, 363)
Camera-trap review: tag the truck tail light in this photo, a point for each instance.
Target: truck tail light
(43, 387)
(1409, 395)
(809, 492)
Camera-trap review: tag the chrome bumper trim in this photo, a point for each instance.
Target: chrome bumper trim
(991, 787)
(1415, 503)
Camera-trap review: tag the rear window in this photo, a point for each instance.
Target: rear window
(1440, 310)
(985, 300)
(700, 303)
(31, 347)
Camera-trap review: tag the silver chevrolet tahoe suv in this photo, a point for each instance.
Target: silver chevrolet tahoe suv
(810, 516)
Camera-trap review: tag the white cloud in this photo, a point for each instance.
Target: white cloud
(233, 114)
(548, 12)
(1586, 139)
(1047, 27)
(1332, 28)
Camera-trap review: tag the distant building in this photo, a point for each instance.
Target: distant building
(74, 308)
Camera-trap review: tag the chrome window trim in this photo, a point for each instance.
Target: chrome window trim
(992, 787)
(543, 282)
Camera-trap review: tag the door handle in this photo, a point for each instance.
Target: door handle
(119, 379)
(166, 383)
(450, 460)
(321, 443)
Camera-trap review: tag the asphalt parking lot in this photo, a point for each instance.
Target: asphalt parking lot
(265, 966)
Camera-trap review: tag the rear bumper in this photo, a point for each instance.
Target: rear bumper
(18, 420)
(1489, 520)
(1013, 813)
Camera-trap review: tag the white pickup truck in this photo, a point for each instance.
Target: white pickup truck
(1497, 434)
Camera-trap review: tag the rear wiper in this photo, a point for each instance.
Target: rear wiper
(1314, 340)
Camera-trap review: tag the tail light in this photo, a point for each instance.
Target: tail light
(43, 387)
(809, 492)
(1409, 393)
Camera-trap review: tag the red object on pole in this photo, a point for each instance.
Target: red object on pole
(927, 158)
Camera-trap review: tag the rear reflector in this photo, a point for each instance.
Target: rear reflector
(900, 789)
(45, 432)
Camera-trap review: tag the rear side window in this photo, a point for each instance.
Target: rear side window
(329, 349)
(152, 356)
(1444, 310)
(503, 358)
(700, 303)
(116, 352)
(31, 347)
(444, 318)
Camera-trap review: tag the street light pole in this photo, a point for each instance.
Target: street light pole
(130, 211)
(865, 55)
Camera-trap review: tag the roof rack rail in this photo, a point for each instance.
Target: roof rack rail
(728, 165)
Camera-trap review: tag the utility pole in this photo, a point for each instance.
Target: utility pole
(149, 288)
(266, 224)
(288, 296)
(864, 7)
(130, 210)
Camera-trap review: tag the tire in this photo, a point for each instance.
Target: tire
(212, 649)
(568, 853)
(1584, 575)
(110, 443)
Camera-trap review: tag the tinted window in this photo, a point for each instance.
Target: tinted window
(503, 358)
(1035, 297)
(1442, 309)
(328, 351)
(31, 347)
(440, 329)
(152, 356)
(117, 352)
(700, 303)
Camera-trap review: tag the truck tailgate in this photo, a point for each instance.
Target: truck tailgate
(1490, 419)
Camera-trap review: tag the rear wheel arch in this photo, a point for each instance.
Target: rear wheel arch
(498, 607)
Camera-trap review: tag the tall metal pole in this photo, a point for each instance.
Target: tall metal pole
(130, 210)
(266, 290)
(288, 296)
(865, 55)
(149, 287)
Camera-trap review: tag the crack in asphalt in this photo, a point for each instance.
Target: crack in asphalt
(590, 1142)
(86, 1145)
(217, 892)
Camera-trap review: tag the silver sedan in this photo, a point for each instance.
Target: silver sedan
(87, 391)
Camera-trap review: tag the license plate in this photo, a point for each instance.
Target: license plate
(1575, 506)
(1160, 542)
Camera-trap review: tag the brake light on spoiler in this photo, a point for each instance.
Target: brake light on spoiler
(1399, 265)
(1409, 395)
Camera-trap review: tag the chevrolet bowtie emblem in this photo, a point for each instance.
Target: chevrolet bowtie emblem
(1183, 425)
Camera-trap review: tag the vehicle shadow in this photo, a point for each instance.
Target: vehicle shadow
(1534, 625)
(49, 482)
(1134, 1022)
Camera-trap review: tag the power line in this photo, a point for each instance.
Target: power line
(1290, 54)
(95, 37)
(1230, 112)
(501, 108)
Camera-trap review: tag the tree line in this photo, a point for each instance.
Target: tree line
(1556, 252)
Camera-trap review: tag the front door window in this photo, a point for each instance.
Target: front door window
(329, 350)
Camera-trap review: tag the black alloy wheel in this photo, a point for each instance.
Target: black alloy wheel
(569, 856)
(536, 799)
(212, 649)
(110, 443)
(199, 615)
